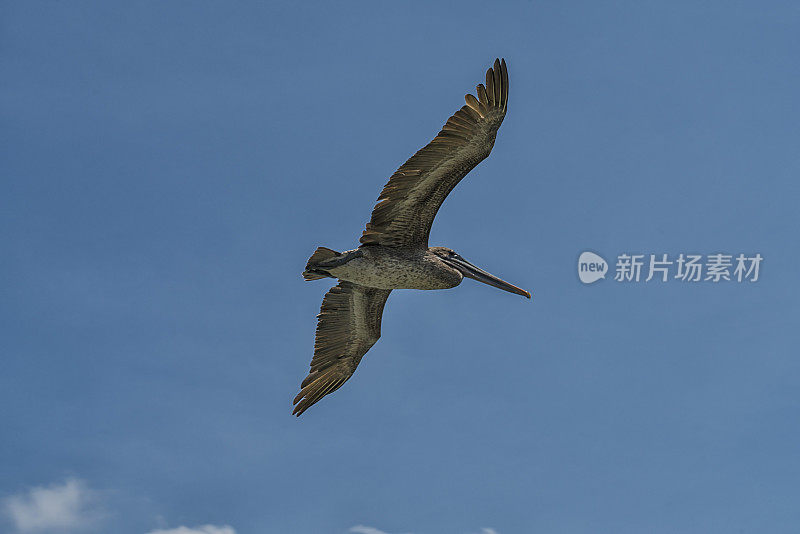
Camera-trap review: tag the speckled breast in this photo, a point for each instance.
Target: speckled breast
(389, 268)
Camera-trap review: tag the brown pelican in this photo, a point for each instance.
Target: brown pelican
(394, 251)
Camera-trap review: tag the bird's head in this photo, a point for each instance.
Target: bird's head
(454, 260)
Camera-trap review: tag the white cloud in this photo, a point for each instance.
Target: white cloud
(67, 506)
(202, 529)
(363, 529)
(487, 530)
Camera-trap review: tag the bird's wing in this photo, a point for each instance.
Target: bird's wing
(349, 323)
(409, 201)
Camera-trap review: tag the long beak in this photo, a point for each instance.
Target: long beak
(476, 273)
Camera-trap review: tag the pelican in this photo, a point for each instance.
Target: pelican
(394, 251)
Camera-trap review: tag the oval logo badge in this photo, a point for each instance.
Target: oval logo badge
(591, 267)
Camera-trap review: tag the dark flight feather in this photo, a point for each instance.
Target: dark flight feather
(349, 323)
(410, 200)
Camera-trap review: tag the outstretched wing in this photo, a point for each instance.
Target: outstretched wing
(349, 323)
(408, 203)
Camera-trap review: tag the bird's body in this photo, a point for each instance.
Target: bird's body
(395, 268)
(394, 251)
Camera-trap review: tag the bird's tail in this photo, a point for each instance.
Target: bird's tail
(312, 271)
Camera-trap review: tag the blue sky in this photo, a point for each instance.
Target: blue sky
(168, 167)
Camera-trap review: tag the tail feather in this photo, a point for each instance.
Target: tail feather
(311, 275)
(320, 255)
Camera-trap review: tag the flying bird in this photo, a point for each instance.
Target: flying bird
(394, 251)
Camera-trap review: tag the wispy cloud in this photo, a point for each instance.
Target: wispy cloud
(202, 529)
(68, 506)
(363, 529)
(487, 530)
